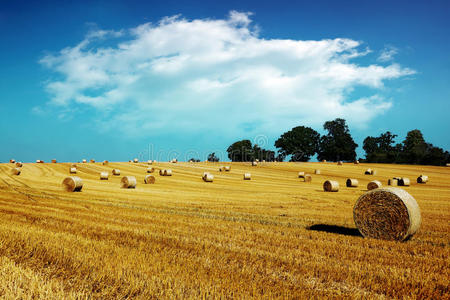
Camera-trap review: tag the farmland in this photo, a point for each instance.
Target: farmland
(273, 236)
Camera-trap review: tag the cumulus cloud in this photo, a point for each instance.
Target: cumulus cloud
(216, 75)
(387, 54)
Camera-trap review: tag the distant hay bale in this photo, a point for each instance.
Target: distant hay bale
(149, 162)
(168, 172)
(222, 168)
(161, 172)
(404, 181)
(388, 214)
(247, 176)
(307, 178)
(73, 170)
(92, 161)
(73, 165)
(324, 160)
(352, 182)
(370, 172)
(83, 161)
(331, 186)
(149, 179)
(15, 171)
(19, 164)
(208, 177)
(12, 161)
(135, 160)
(130, 160)
(227, 168)
(317, 172)
(257, 160)
(375, 184)
(38, 161)
(301, 174)
(356, 162)
(116, 172)
(104, 175)
(174, 161)
(263, 160)
(150, 170)
(128, 182)
(254, 163)
(393, 181)
(339, 163)
(105, 162)
(422, 179)
(53, 161)
(448, 164)
(72, 184)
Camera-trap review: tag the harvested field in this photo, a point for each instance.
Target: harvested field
(271, 237)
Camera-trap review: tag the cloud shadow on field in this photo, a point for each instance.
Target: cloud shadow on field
(335, 229)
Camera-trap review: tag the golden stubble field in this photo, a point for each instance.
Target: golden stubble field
(271, 237)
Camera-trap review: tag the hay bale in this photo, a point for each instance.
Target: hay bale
(422, 179)
(247, 176)
(150, 170)
(254, 163)
(104, 175)
(15, 171)
(19, 164)
(375, 184)
(352, 182)
(356, 162)
(174, 161)
(448, 164)
(307, 178)
(116, 172)
(92, 161)
(368, 172)
(38, 161)
(53, 161)
(388, 214)
(73, 165)
(208, 177)
(72, 184)
(149, 179)
(301, 174)
(404, 181)
(161, 172)
(73, 170)
(263, 160)
(331, 186)
(105, 162)
(135, 160)
(317, 172)
(83, 161)
(339, 163)
(149, 162)
(257, 160)
(168, 172)
(227, 168)
(12, 161)
(128, 182)
(324, 160)
(221, 169)
(393, 181)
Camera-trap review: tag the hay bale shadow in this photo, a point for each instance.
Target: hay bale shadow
(335, 229)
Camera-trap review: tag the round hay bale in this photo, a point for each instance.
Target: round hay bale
(356, 162)
(375, 184)
(168, 172)
(83, 161)
(388, 214)
(324, 160)
(149, 162)
(208, 177)
(150, 170)
(19, 164)
(393, 181)
(339, 163)
(135, 160)
(39, 161)
(263, 160)
(257, 160)
(368, 172)
(116, 172)
(105, 162)
(92, 161)
(72, 184)
(448, 164)
(15, 171)
(307, 178)
(247, 176)
(174, 161)
(221, 169)
(73, 170)
(254, 163)
(422, 179)
(352, 182)
(128, 182)
(331, 186)
(53, 161)
(12, 161)
(317, 172)
(149, 179)
(161, 172)
(104, 175)
(301, 174)
(227, 168)
(404, 181)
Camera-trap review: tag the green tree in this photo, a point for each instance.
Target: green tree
(212, 157)
(414, 147)
(241, 151)
(338, 144)
(300, 142)
(263, 154)
(381, 149)
(435, 156)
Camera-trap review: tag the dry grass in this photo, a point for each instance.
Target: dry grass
(271, 237)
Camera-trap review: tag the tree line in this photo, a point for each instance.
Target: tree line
(301, 143)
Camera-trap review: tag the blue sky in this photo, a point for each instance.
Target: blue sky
(119, 79)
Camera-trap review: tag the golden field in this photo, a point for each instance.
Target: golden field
(271, 237)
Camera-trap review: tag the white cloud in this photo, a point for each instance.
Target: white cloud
(387, 54)
(215, 75)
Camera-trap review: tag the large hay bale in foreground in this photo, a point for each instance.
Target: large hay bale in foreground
(393, 181)
(301, 174)
(73, 170)
(104, 175)
(317, 172)
(247, 176)
(128, 182)
(422, 179)
(116, 172)
(331, 186)
(208, 177)
(19, 164)
(388, 214)
(352, 182)
(149, 179)
(404, 181)
(15, 171)
(375, 184)
(72, 184)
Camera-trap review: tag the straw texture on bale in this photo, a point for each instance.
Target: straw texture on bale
(72, 184)
(301, 174)
(247, 176)
(208, 177)
(307, 178)
(422, 179)
(393, 181)
(388, 214)
(150, 170)
(352, 182)
(331, 186)
(317, 172)
(339, 163)
(375, 184)
(73, 170)
(54, 161)
(19, 164)
(227, 168)
(128, 182)
(404, 181)
(254, 163)
(149, 179)
(115, 172)
(15, 171)
(104, 175)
